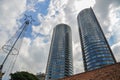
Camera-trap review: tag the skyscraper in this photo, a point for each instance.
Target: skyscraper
(60, 62)
(95, 48)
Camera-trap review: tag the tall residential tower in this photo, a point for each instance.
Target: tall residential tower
(95, 48)
(60, 62)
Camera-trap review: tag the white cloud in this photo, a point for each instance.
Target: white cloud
(33, 56)
(41, 0)
(114, 28)
(82, 4)
(10, 12)
(116, 51)
(31, 5)
(35, 29)
(77, 58)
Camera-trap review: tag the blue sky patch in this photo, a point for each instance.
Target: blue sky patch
(40, 8)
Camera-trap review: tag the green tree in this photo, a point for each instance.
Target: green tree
(23, 76)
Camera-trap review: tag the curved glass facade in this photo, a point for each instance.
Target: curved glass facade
(60, 62)
(95, 48)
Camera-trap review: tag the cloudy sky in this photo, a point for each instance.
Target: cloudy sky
(47, 14)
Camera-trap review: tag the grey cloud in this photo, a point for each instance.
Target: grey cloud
(116, 51)
(102, 9)
(102, 6)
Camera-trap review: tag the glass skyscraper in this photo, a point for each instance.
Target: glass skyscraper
(60, 62)
(95, 48)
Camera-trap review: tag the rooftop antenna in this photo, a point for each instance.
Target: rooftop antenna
(12, 46)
